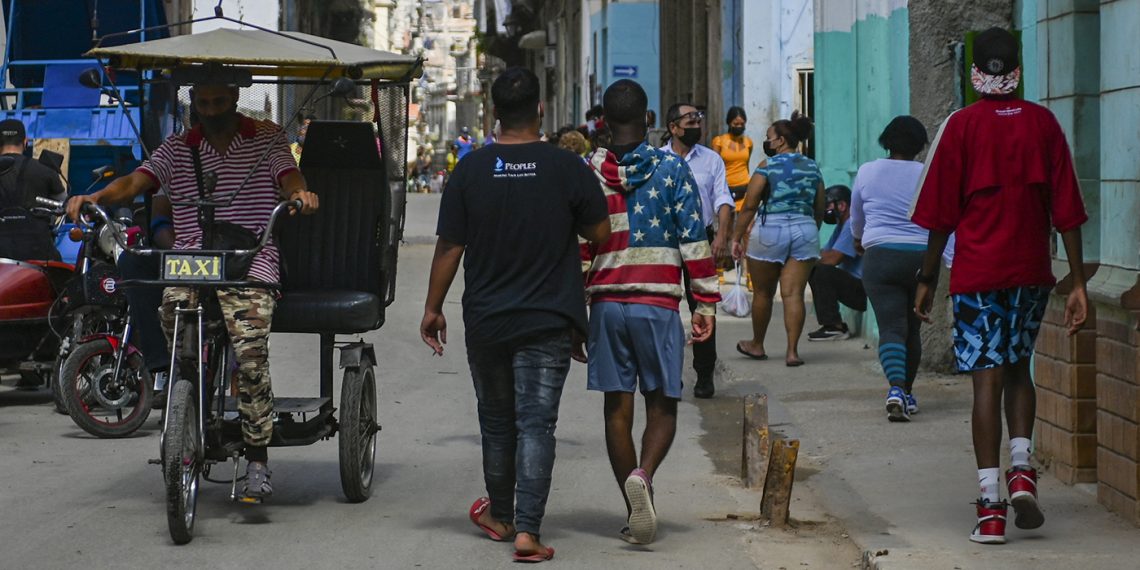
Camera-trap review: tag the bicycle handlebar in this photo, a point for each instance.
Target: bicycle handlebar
(99, 213)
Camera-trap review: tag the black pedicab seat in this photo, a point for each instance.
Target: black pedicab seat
(333, 270)
(336, 311)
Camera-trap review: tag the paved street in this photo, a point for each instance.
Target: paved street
(899, 490)
(69, 500)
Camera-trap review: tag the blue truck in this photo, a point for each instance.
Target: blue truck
(45, 40)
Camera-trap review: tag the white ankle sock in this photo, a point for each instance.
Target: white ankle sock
(1019, 451)
(989, 481)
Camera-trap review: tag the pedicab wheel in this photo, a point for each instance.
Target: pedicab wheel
(357, 436)
(97, 401)
(181, 462)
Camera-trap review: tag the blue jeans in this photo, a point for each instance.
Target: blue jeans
(519, 385)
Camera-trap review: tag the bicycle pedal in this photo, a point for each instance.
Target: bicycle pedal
(248, 500)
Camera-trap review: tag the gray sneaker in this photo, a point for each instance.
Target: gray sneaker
(257, 485)
(627, 536)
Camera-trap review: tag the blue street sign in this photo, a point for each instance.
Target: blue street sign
(629, 71)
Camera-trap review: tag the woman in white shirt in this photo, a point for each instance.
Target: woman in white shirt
(894, 247)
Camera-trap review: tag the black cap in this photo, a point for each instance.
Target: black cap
(12, 129)
(838, 193)
(995, 52)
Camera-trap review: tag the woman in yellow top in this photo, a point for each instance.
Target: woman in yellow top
(735, 149)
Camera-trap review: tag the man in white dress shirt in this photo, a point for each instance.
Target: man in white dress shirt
(684, 123)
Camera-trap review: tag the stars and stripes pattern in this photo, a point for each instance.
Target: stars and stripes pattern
(655, 220)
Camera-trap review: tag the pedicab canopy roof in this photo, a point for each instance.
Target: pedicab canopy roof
(284, 54)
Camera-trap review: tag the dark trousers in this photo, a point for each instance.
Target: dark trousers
(831, 286)
(143, 303)
(704, 353)
(891, 288)
(519, 386)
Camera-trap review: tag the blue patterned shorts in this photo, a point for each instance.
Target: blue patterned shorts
(995, 328)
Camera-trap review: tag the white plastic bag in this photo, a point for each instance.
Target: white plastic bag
(737, 301)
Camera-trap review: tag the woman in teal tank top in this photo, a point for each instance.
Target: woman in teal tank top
(784, 244)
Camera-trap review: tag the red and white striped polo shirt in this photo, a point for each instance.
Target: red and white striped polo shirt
(172, 168)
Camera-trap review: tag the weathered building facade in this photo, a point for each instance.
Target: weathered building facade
(879, 58)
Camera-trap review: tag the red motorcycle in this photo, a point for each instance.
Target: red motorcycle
(47, 306)
(103, 382)
(28, 292)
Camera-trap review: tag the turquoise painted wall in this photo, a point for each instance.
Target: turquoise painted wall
(1079, 60)
(1025, 20)
(1119, 135)
(862, 81)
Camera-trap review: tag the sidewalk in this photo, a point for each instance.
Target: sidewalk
(707, 519)
(903, 491)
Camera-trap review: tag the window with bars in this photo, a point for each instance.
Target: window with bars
(805, 102)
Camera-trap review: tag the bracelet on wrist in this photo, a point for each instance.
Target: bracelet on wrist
(925, 279)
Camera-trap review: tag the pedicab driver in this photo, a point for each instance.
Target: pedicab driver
(229, 144)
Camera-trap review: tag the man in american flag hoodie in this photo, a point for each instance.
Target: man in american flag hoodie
(633, 281)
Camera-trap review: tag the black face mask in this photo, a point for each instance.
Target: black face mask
(217, 122)
(831, 216)
(691, 137)
(620, 150)
(768, 149)
(736, 131)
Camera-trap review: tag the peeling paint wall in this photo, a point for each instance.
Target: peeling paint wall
(861, 81)
(776, 41)
(934, 26)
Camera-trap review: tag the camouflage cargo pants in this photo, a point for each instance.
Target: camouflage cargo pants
(248, 314)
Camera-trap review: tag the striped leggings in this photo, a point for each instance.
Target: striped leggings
(889, 278)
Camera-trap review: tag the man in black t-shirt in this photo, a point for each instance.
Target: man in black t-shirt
(23, 236)
(513, 213)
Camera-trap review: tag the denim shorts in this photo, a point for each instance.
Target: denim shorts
(784, 236)
(632, 344)
(996, 328)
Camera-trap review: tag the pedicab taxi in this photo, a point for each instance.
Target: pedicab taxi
(338, 265)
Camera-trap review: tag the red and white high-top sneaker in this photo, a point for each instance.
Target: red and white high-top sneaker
(991, 523)
(1022, 485)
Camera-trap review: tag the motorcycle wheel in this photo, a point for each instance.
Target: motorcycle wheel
(56, 387)
(100, 404)
(357, 437)
(181, 464)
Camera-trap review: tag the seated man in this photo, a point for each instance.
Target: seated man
(23, 236)
(231, 145)
(838, 277)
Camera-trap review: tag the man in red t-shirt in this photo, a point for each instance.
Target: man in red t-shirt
(1000, 175)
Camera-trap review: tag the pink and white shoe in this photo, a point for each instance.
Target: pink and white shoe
(991, 523)
(643, 517)
(1022, 485)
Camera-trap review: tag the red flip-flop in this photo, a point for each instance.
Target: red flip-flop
(481, 504)
(535, 557)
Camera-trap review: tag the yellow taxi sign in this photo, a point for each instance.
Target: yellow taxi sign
(191, 267)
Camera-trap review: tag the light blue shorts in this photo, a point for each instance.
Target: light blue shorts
(632, 344)
(783, 237)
